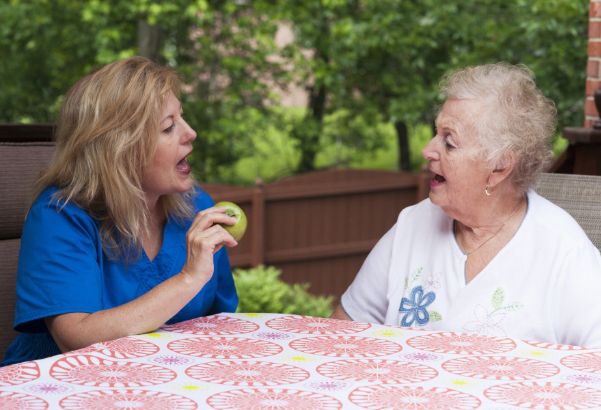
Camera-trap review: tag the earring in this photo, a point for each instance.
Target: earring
(486, 191)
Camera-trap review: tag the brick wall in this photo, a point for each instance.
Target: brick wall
(593, 69)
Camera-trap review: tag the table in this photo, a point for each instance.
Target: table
(279, 361)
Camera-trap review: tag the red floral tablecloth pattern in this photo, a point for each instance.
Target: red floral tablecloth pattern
(272, 399)
(127, 399)
(377, 370)
(124, 348)
(225, 347)
(19, 374)
(315, 325)
(412, 397)
(500, 368)
(345, 346)
(584, 362)
(89, 370)
(461, 343)
(278, 361)
(213, 325)
(545, 395)
(14, 400)
(247, 373)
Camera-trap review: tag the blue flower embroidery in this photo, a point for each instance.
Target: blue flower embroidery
(414, 309)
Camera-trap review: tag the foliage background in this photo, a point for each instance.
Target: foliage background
(370, 68)
(260, 289)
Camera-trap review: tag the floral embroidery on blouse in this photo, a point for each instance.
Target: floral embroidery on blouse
(414, 307)
(489, 321)
(430, 282)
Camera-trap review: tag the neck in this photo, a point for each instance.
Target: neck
(473, 237)
(493, 215)
(156, 214)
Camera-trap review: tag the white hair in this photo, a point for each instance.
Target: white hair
(516, 117)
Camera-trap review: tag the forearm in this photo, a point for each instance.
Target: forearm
(141, 315)
(339, 313)
(147, 312)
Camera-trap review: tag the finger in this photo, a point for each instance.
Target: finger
(206, 219)
(214, 236)
(205, 213)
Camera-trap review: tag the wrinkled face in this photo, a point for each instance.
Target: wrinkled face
(169, 171)
(459, 171)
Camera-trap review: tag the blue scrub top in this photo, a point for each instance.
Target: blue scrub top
(63, 269)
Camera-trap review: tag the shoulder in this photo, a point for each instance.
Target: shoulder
(422, 215)
(49, 208)
(424, 207)
(553, 225)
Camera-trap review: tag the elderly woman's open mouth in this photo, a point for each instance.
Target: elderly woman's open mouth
(437, 180)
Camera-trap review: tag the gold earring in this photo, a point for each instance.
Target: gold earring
(486, 191)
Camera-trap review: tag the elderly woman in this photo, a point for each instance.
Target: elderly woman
(485, 253)
(119, 239)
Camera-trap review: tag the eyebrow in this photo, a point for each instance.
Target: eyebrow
(169, 117)
(446, 123)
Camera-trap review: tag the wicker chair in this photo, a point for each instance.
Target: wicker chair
(24, 152)
(579, 195)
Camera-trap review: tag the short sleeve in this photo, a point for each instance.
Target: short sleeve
(366, 299)
(59, 268)
(578, 314)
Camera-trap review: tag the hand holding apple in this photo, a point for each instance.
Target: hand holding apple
(239, 228)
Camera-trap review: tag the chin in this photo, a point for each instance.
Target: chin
(188, 186)
(179, 189)
(432, 196)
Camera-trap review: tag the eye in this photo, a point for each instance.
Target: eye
(169, 129)
(448, 144)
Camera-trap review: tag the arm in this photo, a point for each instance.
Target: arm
(152, 309)
(340, 314)
(73, 331)
(366, 298)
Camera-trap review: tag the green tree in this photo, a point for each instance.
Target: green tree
(232, 72)
(381, 60)
(222, 48)
(44, 46)
(363, 62)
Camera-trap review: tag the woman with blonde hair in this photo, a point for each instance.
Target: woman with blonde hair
(120, 239)
(484, 253)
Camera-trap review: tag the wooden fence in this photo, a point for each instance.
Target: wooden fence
(319, 227)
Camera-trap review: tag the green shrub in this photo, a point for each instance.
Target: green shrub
(261, 290)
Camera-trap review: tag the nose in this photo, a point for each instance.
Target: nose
(189, 133)
(429, 152)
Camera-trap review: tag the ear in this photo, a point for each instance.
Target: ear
(502, 170)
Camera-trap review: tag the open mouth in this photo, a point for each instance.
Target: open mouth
(438, 178)
(183, 166)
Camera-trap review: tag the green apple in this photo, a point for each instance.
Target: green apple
(236, 230)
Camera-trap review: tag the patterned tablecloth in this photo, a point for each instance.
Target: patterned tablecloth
(270, 361)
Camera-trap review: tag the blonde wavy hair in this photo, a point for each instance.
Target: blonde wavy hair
(105, 137)
(515, 117)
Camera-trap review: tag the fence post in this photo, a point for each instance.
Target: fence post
(257, 246)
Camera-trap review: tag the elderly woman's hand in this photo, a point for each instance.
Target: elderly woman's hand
(205, 237)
